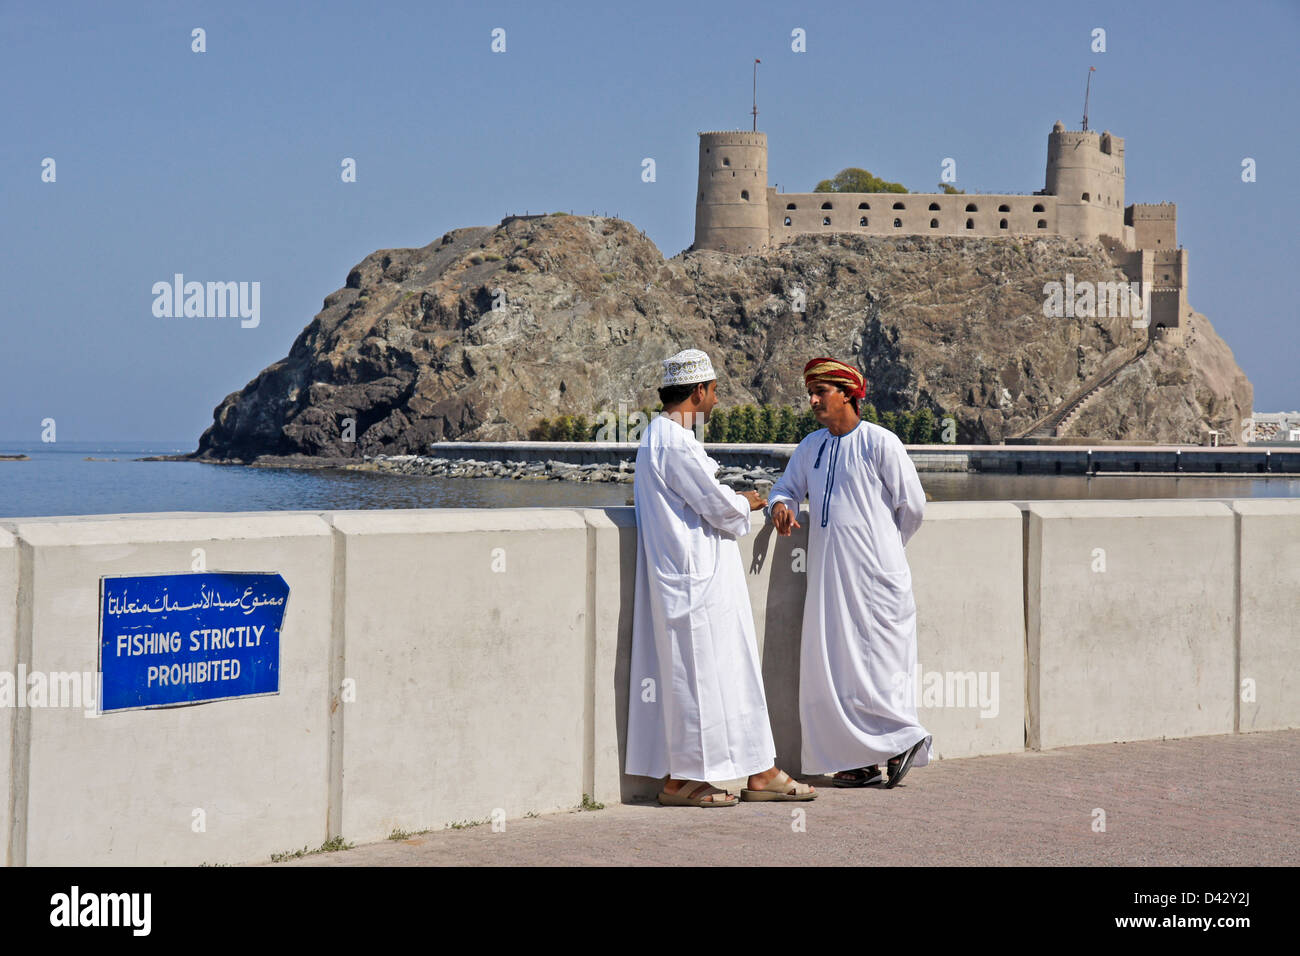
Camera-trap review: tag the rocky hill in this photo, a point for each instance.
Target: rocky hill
(485, 331)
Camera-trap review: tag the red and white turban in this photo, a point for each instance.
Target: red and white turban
(836, 373)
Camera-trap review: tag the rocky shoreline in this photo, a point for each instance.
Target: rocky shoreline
(733, 476)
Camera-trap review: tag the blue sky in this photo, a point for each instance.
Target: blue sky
(225, 165)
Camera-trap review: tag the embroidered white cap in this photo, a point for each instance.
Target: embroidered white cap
(688, 367)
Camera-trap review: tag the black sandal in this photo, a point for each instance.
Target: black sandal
(862, 777)
(898, 766)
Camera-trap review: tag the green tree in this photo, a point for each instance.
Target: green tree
(805, 424)
(767, 425)
(541, 431)
(923, 427)
(580, 429)
(952, 190)
(744, 425)
(787, 426)
(889, 420)
(854, 180)
(718, 425)
(869, 414)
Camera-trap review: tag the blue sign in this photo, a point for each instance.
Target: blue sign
(171, 639)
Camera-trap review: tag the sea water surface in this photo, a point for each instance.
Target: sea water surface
(60, 480)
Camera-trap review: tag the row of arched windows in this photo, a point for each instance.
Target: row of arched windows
(934, 206)
(934, 223)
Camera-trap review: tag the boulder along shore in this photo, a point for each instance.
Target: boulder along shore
(733, 476)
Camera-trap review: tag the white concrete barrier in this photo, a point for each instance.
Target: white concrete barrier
(967, 564)
(465, 632)
(1131, 610)
(1268, 676)
(440, 665)
(224, 781)
(8, 668)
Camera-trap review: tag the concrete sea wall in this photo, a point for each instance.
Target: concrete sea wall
(442, 666)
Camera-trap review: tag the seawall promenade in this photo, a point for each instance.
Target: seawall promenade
(439, 666)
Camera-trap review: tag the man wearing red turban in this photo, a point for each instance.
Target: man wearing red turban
(859, 622)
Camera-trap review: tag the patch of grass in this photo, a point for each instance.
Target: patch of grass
(590, 804)
(329, 846)
(609, 276)
(405, 834)
(532, 813)
(492, 257)
(465, 824)
(559, 214)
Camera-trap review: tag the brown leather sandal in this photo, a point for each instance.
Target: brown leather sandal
(781, 787)
(696, 795)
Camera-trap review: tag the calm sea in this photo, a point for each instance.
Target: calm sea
(59, 480)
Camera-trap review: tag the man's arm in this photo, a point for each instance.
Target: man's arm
(791, 488)
(686, 474)
(898, 475)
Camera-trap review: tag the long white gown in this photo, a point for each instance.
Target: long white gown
(858, 660)
(696, 706)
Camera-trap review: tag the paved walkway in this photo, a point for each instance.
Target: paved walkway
(1205, 801)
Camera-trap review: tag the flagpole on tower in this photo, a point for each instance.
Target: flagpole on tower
(757, 61)
(1086, 93)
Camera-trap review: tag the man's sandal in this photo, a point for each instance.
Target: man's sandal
(898, 766)
(696, 795)
(862, 777)
(781, 787)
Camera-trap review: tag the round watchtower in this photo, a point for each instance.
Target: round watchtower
(731, 201)
(1085, 172)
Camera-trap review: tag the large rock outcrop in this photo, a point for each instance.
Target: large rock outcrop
(482, 333)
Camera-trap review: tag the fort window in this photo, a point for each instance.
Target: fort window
(864, 205)
(1086, 197)
(1004, 208)
(898, 224)
(791, 205)
(1042, 224)
(899, 205)
(827, 205)
(1038, 207)
(787, 220)
(744, 194)
(826, 220)
(970, 223)
(1002, 224)
(862, 221)
(726, 161)
(934, 223)
(971, 207)
(934, 207)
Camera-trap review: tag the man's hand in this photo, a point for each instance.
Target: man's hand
(783, 519)
(756, 501)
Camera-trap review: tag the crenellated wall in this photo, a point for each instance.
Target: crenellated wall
(1083, 198)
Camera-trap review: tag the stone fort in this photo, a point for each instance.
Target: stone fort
(1083, 198)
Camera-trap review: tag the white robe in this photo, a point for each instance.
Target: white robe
(857, 662)
(696, 706)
